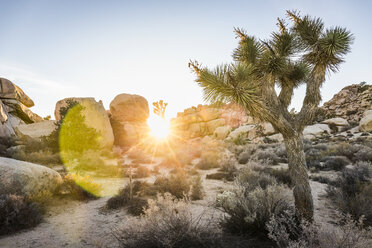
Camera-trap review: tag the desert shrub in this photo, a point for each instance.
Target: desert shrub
(79, 187)
(252, 202)
(176, 184)
(42, 197)
(220, 176)
(241, 139)
(336, 163)
(136, 204)
(17, 213)
(281, 175)
(267, 156)
(352, 192)
(168, 222)
(363, 154)
(141, 172)
(197, 190)
(247, 153)
(209, 159)
(43, 157)
(322, 179)
(287, 231)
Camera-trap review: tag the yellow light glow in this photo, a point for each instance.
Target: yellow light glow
(159, 127)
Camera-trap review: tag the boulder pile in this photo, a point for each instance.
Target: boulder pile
(14, 108)
(350, 103)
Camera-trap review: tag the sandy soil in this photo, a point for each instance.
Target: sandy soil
(84, 224)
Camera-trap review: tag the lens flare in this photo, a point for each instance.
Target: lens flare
(159, 127)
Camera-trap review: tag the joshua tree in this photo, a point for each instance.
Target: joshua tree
(301, 54)
(159, 108)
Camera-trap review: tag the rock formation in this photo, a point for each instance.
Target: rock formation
(128, 116)
(14, 104)
(350, 103)
(205, 119)
(365, 124)
(19, 177)
(95, 117)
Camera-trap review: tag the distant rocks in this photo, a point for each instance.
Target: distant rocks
(206, 119)
(128, 116)
(316, 130)
(18, 177)
(95, 117)
(365, 124)
(9, 90)
(350, 103)
(14, 104)
(36, 130)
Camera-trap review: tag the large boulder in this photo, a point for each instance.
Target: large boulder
(128, 118)
(129, 108)
(21, 111)
(338, 121)
(316, 130)
(222, 132)
(3, 113)
(36, 130)
(95, 117)
(365, 124)
(246, 131)
(9, 90)
(18, 177)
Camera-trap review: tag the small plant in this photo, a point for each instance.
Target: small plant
(18, 213)
(197, 191)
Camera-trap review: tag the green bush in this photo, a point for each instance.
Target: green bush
(17, 213)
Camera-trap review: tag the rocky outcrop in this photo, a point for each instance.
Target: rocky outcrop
(365, 124)
(18, 177)
(94, 114)
(316, 130)
(14, 110)
(36, 130)
(350, 103)
(9, 90)
(128, 116)
(205, 119)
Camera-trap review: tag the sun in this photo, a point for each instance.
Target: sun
(159, 128)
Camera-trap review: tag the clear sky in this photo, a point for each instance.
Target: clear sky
(56, 49)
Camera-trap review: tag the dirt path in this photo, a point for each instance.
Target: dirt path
(70, 224)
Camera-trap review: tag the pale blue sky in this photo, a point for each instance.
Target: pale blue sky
(56, 49)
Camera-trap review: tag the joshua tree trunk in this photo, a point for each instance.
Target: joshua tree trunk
(298, 173)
